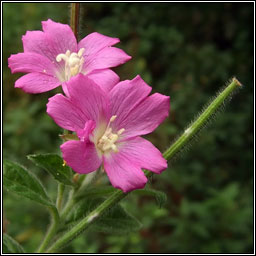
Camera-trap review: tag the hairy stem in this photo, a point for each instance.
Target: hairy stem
(168, 154)
(51, 231)
(201, 120)
(68, 205)
(61, 188)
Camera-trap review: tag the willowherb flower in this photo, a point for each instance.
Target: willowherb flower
(109, 126)
(52, 56)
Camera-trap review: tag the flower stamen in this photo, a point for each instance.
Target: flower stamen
(108, 139)
(73, 62)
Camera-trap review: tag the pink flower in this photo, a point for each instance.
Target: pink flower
(52, 56)
(108, 127)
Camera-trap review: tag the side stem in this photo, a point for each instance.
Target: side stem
(201, 120)
(61, 188)
(51, 231)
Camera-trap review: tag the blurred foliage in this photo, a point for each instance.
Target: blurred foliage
(187, 51)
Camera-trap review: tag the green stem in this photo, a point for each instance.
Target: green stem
(61, 188)
(51, 231)
(68, 205)
(201, 120)
(74, 18)
(168, 154)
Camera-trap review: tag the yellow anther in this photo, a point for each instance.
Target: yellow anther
(64, 163)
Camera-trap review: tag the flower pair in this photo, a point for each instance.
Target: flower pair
(107, 116)
(52, 56)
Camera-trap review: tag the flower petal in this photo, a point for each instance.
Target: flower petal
(30, 62)
(143, 153)
(61, 35)
(125, 96)
(106, 58)
(37, 83)
(39, 42)
(122, 173)
(80, 156)
(94, 42)
(88, 96)
(65, 114)
(147, 116)
(105, 78)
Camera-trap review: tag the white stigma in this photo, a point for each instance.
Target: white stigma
(73, 62)
(108, 139)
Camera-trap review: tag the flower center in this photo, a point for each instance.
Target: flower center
(108, 139)
(73, 62)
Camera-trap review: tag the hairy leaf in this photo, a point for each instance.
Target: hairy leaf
(159, 195)
(20, 181)
(118, 221)
(53, 164)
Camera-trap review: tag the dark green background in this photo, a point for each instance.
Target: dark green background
(187, 51)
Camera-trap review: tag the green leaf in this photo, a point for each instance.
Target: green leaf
(159, 195)
(116, 220)
(53, 164)
(11, 246)
(20, 181)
